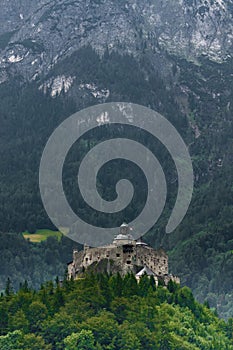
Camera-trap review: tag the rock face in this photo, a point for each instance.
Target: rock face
(34, 35)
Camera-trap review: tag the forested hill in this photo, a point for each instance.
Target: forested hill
(102, 312)
(195, 97)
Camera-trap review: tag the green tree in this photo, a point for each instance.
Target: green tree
(36, 314)
(9, 291)
(83, 340)
(11, 341)
(104, 328)
(4, 317)
(144, 285)
(19, 321)
(130, 285)
(116, 285)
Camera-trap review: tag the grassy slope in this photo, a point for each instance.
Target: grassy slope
(41, 235)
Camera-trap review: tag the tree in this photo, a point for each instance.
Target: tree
(11, 341)
(116, 285)
(33, 342)
(19, 321)
(37, 312)
(120, 307)
(172, 286)
(152, 283)
(83, 340)
(128, 341)
(144, 285)
(130, 285)
(17, 340)
(9, 288)
(4, 316)
(104, 328)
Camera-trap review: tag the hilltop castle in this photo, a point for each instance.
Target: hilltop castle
(123, 255)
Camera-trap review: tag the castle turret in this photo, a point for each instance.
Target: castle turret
(75, 254)
(124, 229)
(124, 237)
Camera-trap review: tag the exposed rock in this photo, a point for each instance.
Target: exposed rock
(34, 35)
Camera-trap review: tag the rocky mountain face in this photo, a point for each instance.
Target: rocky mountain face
(34, 35)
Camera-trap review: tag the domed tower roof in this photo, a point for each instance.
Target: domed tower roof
(124, 236)
(124, 229)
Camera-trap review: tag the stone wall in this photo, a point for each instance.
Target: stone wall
(127, 258)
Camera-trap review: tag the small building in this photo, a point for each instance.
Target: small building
(146, 271)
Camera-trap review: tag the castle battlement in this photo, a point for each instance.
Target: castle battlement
(123, 255)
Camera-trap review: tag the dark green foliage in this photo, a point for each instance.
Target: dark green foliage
(9, 288)
(144, 285)
(90, 318)
(195, 97)
(22, 260)
(83, 340)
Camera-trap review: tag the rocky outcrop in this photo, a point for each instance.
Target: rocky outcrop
(34, 35)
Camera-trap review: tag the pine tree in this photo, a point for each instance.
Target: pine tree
(9, 288)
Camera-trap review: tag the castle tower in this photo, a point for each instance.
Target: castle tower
(75, 254)
(124, 229)
(124, 237)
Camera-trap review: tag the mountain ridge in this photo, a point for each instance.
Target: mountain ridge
(35, 35)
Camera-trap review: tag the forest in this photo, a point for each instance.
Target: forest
(201, 248)
(99, 311)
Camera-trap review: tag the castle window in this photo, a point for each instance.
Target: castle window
(86, 259)
(107, 256)
(127, 248)
(117, 255)
(128, 262)
(164, 261)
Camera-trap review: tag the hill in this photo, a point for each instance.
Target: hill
(102, 312)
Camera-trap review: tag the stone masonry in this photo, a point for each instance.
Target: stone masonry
(124, 255)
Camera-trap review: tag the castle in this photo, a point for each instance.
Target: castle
(123, 255)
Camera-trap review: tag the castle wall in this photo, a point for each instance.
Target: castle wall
(127, 257)
(156, 260)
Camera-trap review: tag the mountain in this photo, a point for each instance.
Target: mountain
(37, 34)
(58, 57)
